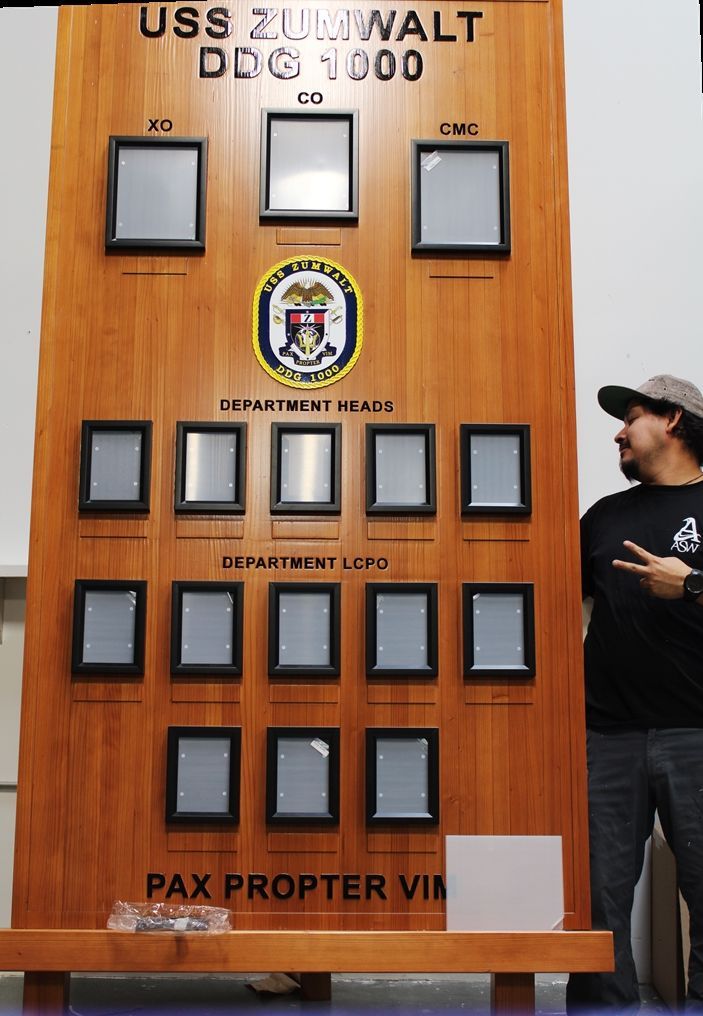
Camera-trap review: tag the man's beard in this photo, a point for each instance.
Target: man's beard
(630, 469)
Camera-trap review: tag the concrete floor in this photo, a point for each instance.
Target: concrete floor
(192, 995)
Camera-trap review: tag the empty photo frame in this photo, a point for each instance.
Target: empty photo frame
(206, 628)
(401, 629)
(499, 629)
(210, 468)
(302, 775)
(402, 776)
(460, 196)
(306, 468)
(309, 164)
(304, 629)
(108, 627)
(400, 469)
(115, 466)
(495, 469)
(202, 775)
(156, 193)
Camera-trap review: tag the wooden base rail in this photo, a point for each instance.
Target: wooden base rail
(513, 958)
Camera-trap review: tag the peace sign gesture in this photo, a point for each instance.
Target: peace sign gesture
(659, 576)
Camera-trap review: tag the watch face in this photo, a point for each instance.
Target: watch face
(693, 584)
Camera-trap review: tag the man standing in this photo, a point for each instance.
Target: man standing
(642, 562)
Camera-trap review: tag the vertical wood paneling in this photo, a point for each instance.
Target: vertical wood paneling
(449, 340)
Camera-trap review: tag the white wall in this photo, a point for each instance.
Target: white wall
(635, 133)
(635, 165)
(27, 43)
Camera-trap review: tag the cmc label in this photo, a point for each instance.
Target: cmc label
(307, 322)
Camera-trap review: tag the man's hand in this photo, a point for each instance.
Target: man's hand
(659, 576)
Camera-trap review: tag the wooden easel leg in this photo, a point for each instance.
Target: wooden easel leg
(513, 994)
(45, 994)
(316, 987)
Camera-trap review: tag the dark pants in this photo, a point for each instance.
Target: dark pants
(631, 774)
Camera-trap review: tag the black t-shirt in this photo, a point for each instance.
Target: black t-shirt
(643, 655)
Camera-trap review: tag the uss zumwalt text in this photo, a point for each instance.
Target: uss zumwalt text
(294, 24)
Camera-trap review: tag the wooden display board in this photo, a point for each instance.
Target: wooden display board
(450, 338)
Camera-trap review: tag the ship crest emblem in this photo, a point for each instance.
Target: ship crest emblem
(307, 322)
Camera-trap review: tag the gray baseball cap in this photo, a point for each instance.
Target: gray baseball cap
(615, 399)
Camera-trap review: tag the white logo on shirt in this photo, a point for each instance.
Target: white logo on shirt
(687, 540)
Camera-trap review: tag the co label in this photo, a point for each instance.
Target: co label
(304, 98)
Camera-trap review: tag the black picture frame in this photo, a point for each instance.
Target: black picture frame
(153, 188)
(218, 505)
(106, 472)
(318, 739)
(376, 665)
(399, 814)
(476, 665)
(282, 503)
(329, 590)
(472, 478)
(429, 154)
(228, 776)
(378, 503)
(183, 657)
(134, 628)
(345, 205)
